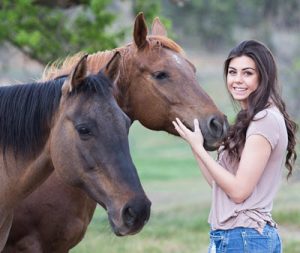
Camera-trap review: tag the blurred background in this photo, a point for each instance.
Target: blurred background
(34, 33)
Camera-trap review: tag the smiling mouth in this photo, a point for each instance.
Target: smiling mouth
(239, 89)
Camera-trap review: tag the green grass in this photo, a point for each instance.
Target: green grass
(180, 203)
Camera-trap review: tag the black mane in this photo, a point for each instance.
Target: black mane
(26, 111)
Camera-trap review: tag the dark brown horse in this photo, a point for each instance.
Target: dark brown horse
(156, 84)
(74, 126)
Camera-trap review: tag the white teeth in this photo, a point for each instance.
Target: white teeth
(239, 89)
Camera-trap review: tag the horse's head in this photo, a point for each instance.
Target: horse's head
(163, 86)
(89, 147)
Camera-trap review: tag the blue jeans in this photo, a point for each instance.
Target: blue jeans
(245, 240)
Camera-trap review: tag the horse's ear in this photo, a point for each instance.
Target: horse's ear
(158, 28)
(140, 31)
(77, 75)
(112, 68)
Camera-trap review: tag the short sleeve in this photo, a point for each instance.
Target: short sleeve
(265, 124)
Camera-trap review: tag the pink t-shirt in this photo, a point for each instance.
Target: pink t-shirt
(255, 211)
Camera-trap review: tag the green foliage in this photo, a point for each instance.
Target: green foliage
(152, 9)
(49, 33)
(213, 21)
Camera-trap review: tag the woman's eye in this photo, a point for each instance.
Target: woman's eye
(248, 73)
(160, 75)
(231, 72)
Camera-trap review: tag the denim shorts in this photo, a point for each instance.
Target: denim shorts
(245, 240)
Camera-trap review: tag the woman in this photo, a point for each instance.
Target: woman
(247, 175)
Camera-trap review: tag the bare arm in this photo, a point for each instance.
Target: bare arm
(254, 158)
(253, 161)
(205, 172)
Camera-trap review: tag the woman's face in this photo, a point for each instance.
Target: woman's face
(242, 79)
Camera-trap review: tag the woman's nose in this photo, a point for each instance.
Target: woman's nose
(238, 78)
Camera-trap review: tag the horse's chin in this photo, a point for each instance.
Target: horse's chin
(123, 230)
(211, 146)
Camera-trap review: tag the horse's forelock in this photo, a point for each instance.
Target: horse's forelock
(98, 84)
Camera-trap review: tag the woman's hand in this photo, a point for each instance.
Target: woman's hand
(193, 138)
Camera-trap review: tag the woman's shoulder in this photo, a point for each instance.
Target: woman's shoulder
(269, 115)
(268, 123)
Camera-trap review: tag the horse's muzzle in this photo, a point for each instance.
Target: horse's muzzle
(134, 215)
(216, 131)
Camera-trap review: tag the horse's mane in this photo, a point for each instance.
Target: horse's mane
(27, 110)
(63, 67)
(165, 42)
(94, 84)
(98, 60)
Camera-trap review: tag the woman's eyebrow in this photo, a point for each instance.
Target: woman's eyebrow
(242, 69)
(248, 68)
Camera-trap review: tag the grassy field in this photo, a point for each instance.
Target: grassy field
(180, 203)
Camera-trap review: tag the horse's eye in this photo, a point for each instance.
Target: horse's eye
(82, 130)
(160, 75)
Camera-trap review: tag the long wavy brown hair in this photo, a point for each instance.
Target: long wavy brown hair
(268, 89)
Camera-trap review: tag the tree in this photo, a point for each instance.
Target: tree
(211, 21)
(47, 33)
(59, 3)
(151, 10)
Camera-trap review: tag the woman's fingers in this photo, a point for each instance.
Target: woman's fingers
(181, 128)
(178, 129)
(191, 137)
(181, 125)
(196, 125)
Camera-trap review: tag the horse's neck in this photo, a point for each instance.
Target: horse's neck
(6, 218)
(22, 176)
(36, 173)
(6, 210)
(98, 60)
(121, 90)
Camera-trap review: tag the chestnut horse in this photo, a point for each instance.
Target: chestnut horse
(156, 84)
(74, 126)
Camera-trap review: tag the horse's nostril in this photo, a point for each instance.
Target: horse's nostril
(129, 216)
(136, 213)
(215, 127)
